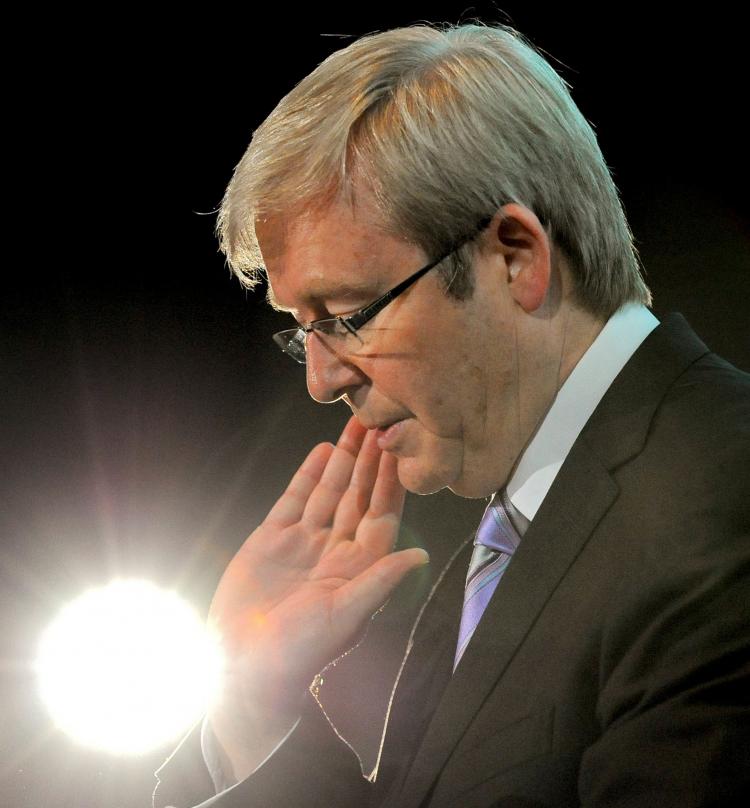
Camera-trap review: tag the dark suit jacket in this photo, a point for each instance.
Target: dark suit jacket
(612, 666)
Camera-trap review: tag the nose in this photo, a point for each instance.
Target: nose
(329, 375)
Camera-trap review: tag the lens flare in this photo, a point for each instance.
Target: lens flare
(127, 667)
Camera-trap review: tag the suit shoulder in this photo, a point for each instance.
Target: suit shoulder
(689, 485)
(706, 408)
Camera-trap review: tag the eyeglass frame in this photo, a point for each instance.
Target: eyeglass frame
(353, 322)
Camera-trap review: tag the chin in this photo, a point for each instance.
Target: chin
(419, 478)
(474, 491)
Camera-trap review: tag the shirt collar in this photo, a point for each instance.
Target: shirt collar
(574, 403)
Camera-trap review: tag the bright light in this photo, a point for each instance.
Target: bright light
(127, 667)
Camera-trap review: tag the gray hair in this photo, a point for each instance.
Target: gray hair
(444, 126)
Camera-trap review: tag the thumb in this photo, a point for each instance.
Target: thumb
(356, 601)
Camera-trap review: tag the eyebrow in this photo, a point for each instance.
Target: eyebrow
(322, 293)
(273, 303)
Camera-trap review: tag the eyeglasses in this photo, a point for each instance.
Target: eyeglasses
(342, 331)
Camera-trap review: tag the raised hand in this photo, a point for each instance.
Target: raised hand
(301, 588)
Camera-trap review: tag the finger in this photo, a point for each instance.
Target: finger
(356, 501)
(323, 501)
(290, 506)
(388, 493)
(378, 530)
(356, 601)
(366, 468)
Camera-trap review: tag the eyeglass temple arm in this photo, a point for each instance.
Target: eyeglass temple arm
(360, 318)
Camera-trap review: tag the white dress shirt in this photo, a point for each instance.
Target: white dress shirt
(574, 403)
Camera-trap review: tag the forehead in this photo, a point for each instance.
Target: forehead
(336, 254)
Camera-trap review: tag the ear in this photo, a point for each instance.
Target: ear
(518, 235)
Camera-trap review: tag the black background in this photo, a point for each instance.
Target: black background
(148, 422)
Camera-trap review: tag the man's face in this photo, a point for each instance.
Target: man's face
(438, 377)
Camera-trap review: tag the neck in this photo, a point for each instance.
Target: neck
(555, 342)
(580, 331)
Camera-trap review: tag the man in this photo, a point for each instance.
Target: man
(436, 214)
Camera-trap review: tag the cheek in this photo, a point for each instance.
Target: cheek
(476, 391)
(449, 380)
(432, 372)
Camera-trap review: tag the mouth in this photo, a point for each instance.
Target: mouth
(389, 433)
(379, 426)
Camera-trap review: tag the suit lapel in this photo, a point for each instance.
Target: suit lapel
(424, 672)
(559, 531)
(581, 494)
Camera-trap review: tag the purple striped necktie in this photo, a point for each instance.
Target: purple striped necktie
(495, 541)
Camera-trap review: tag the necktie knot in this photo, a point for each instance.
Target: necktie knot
(496, 530)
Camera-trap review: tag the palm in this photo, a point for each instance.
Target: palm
(303, 585)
